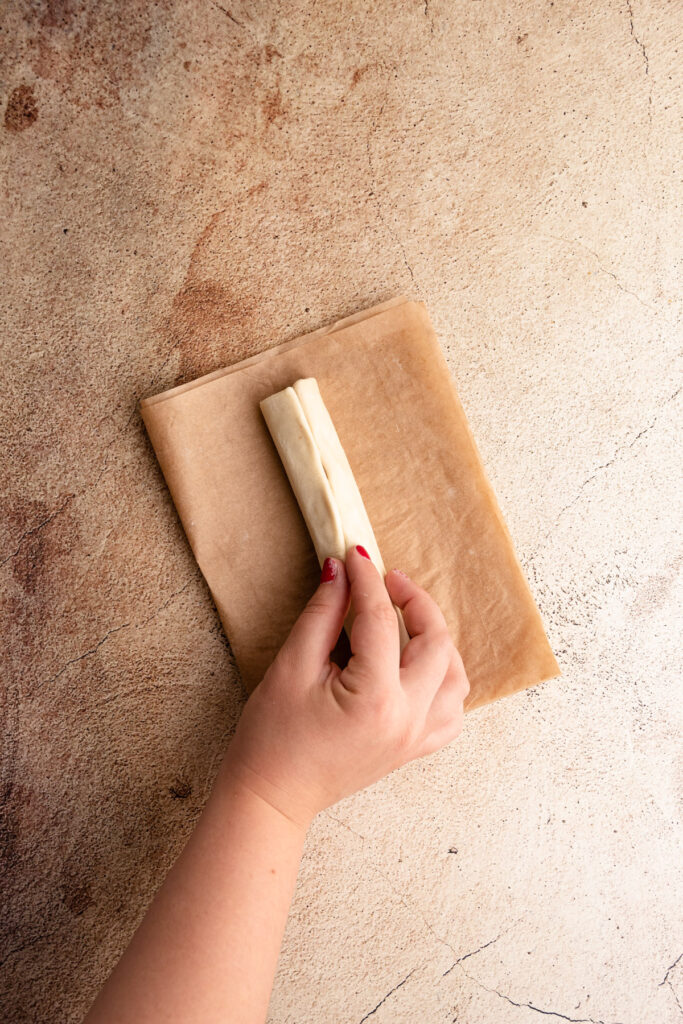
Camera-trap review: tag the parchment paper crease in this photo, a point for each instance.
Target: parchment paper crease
(388, 389)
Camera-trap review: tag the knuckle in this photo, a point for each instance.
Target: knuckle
(442, 640)
(383, 614)
(434, 611)
(450, 710)
(386, 713)
(383, 710)
(315, 607)
(410, 735)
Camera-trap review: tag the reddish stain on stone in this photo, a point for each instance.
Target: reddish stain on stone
(9, 812)
(201, 249)
(202, 311)
(272, 105)
(77, 899)
(359, 73)
(271, 52)
(28, 563)
(89, 57)
(257, 188)
(199, 305)
(41, 541)
(58, 14)
(208, 323)
(22, 110)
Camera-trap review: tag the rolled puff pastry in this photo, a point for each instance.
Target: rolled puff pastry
(321, 478)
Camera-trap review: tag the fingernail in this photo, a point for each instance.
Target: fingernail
(361, 551)
(329, 572)
(400, 572)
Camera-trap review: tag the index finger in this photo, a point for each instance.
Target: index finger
(421, 613)
(375, 645)
(425, 657)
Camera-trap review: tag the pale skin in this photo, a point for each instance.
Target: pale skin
(309, 735)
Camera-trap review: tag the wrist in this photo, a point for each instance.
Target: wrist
(236, 782)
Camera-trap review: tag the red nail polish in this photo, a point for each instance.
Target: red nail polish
(361, 551)
(329, 572)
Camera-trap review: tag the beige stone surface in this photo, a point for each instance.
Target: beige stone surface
(187, 183)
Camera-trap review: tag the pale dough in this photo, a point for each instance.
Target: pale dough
(321, 477)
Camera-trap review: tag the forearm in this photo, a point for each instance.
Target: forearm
(310, 734)
(207, 949)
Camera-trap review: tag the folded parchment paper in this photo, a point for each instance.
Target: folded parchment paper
(389, 391)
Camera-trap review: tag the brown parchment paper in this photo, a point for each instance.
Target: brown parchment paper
(388, 388)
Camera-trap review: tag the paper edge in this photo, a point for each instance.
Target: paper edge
(337, 325)
(348, 321)
(553, 669)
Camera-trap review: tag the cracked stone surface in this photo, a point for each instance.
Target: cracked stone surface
(186, 183)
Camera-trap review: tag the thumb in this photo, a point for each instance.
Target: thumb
(315, 633)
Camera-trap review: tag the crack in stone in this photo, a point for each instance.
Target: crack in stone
(111, 632)
(673, 992)
(415, 908)
(35, 529)
(428, 15)
(389, 993)
(641, 47)
(669, 969)
(227, 13)
(117, 629)
(605, 465)
(411, 909)
(378, 204)
(472, 953)
(86, 654)
(138, 625)
(667, 981)
(106, 449)
(532, 1006)
(573, 244)
(343, 824)
(459, 961)
(231, 17)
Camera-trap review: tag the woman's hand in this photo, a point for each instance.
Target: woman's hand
(312, 733)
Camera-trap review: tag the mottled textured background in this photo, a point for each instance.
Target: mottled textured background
(187, 183)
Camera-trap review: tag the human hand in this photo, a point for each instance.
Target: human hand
(312, 733)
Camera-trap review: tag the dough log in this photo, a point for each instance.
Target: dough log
(321, 478)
